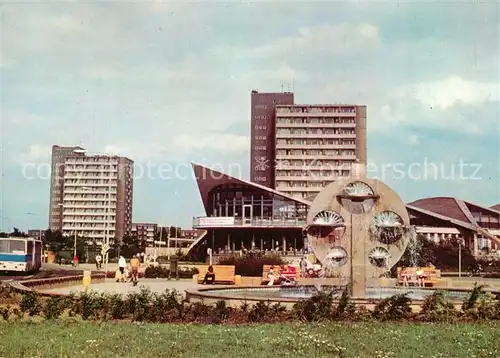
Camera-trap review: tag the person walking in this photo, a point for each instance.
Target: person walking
(122, 264)
(134, 265)
(98, 261)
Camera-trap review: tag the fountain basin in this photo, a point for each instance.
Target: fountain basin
(289, 295)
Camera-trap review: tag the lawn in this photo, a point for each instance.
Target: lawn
(372, 339)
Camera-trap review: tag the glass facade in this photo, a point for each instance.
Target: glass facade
(240, 201)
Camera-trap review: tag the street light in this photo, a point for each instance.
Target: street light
(460, 243)
(107, 223)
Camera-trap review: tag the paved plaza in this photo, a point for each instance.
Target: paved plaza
(110, 285)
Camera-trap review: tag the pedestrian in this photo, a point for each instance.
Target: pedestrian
(98, 261)
(122, 264)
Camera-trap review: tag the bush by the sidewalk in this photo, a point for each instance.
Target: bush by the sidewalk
(252, 263)
(163, 272)
(146, 306)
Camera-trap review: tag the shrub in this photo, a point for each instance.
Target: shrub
(54, 307)
(30, 304)
(5, 293)
(167, 307)
(393, 308)
(116, 306)
(488, 307)
(91, 305)
(259, 312)
(470, 303)
(252, 263)
(436, 308)
(346, 309)
(221, 311)
(201, 313)
(317, 308)
(156, 272)
(162, 272)
(138, 304)
(5, 313)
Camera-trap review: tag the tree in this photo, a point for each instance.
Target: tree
(447, 252)
(443, 255)
(172, 231)
(55, 240)
(420, 253)
(18, 233)
(129, 245)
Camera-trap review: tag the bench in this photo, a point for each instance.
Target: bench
(223, 273)
(431, 276)
(290, 272)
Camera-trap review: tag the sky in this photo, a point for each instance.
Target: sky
(168, 83)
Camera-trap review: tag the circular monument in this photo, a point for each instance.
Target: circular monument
(358, 228)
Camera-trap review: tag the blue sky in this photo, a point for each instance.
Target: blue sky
(169, 83)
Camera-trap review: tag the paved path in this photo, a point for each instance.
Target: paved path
(155, 285)
(112, 267)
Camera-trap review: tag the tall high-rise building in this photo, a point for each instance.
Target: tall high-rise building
(96, 196)
(59, 154)
(315, 144)
(262, 132)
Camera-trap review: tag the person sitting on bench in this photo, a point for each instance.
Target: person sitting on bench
(272, 276)
(209, 276)
(421, 276)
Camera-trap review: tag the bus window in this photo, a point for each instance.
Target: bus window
(17, 246)
(4, 246)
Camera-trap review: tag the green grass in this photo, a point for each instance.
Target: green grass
(371, 339)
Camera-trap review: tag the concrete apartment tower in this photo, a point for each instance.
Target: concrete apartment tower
(262, 134)
(95, 195)
(317, 144)
(59, 155)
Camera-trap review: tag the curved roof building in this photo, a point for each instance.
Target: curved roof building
(241, 214)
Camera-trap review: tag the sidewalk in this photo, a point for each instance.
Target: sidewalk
(112, 267)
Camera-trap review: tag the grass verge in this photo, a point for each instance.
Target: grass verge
(368, 339)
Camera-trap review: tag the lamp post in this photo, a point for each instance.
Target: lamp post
(108, 205)
(460, 258)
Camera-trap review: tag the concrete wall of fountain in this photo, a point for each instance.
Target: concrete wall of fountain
(358, 228)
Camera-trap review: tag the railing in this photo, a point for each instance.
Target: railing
(222, 254)
(237, 222)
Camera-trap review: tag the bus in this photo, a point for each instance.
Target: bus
(20, 254)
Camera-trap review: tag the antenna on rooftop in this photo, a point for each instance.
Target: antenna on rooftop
(281, 84)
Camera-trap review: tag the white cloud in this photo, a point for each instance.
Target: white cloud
(35, 154)
(16, 119)
(444, 94)
(311, 40)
